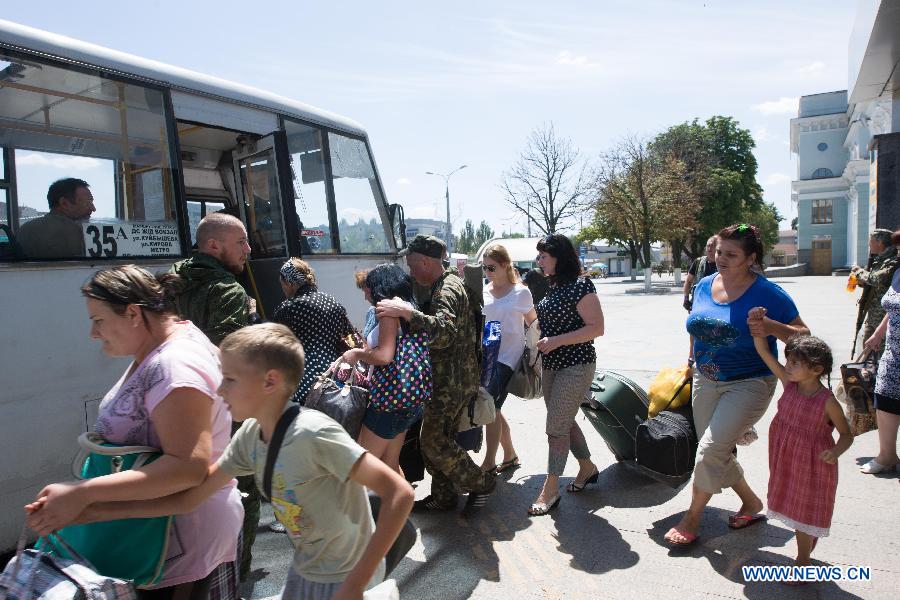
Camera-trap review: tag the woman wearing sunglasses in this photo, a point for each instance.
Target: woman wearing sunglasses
(508, 301)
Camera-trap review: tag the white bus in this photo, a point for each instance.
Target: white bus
(160, 147)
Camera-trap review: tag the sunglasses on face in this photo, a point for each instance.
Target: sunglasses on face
(489, 268)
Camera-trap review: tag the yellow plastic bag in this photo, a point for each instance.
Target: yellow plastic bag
(663, 388)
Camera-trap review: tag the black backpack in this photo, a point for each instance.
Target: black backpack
(667, 443)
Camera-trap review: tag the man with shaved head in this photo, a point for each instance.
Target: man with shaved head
(215, 302)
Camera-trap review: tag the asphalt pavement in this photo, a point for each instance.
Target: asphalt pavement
(607, 542)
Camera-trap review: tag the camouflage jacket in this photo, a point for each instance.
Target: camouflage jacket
(211, 298)
(878, 280)
(447, 318)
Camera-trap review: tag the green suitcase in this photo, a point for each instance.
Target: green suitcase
(615, 406)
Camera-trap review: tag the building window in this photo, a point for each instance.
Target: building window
(822, 212)
(822, 173)
(822, 146)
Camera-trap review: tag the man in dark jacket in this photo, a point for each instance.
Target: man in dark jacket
(214, 301)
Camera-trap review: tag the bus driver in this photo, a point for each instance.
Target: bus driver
(58, 233)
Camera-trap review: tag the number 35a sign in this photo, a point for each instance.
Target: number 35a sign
(134, 238)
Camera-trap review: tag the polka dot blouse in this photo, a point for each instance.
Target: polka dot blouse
(558, 314)
(320, 323)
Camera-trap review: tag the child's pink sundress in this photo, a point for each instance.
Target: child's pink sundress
(802, 486)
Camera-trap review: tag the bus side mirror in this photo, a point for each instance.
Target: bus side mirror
(398, 225)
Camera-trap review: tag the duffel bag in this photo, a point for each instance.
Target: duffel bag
(667, 443)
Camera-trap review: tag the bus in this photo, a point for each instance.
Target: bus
(161, 147)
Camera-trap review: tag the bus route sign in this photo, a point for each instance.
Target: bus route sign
(131, 238)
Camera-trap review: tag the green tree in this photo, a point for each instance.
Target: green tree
(483, 234)
(466, 242)
(766, 218)
(511, 236)
(721, 169)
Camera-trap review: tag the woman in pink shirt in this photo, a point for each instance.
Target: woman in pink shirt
(166, 399)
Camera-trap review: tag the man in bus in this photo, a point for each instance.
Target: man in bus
(215, 302)
(453, 342)
(58, 234)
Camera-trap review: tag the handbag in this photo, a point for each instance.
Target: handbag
(857, 391)
(36, 574)
(662, 390)
(480, 411)
(130, 549)
(527, 378)
(404, 383)
(343, 402)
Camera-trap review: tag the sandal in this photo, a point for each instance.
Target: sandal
(575, 487)
(742, 521)
(542, 508)
(508, 465)
(689, 538)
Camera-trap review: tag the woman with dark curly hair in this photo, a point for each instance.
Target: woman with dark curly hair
(397, 396)
(570, 317)
(732, 386)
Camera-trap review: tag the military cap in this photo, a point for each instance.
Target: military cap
(427, 245)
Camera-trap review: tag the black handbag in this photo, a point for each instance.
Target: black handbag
(343, 402)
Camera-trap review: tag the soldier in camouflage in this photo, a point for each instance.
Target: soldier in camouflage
(454, 342)
(876, 279)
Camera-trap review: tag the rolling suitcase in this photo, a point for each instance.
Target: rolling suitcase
(615, 406)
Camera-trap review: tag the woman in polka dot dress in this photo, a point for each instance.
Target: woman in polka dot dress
(570, 318)
(318, 320)
(400, 373)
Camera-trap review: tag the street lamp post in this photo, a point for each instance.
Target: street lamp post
(449, 238)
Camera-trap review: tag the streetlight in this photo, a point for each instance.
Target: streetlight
(446, 177)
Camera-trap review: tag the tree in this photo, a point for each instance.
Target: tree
(643, 196)
(721, 168)
(511, 236)
(466, 243)
(766, 218)
(550, 183)
(483, 234)
(794, 223)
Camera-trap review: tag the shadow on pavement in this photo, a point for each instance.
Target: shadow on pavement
(594, 545)
(623, 486)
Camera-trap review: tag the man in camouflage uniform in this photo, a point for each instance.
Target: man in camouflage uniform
(876, 280)
(448, 319)
(216, 303)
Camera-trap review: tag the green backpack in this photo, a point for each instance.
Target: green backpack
(132, 549)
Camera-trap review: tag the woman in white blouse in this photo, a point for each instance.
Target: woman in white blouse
(508, 301)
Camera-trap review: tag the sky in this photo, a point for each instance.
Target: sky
(439, 86)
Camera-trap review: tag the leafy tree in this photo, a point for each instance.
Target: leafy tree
(550, 183)
(643, 196)
(794, 223)
(721, 168)
(483, 234)
(466, 243)
(766, 218)
(511, 236)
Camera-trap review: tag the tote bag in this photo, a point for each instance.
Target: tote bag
(405, 382)
(132, 549)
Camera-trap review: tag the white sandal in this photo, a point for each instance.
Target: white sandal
(873, 467)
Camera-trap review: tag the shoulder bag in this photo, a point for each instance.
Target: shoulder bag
(131, 549)
(526, 380)
(404, 383)
(343, 402)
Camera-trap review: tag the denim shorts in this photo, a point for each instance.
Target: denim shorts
(390, 424)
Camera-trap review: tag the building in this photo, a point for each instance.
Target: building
(836, 136)
(784, 254)
(433, 227)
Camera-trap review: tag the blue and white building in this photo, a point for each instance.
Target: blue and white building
(832, 137)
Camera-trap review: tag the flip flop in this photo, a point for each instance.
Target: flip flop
(689, 538)
(742, 521)
(507, 465)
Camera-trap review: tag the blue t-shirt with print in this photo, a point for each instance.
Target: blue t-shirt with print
(723, 346)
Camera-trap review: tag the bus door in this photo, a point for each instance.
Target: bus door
(260, 193)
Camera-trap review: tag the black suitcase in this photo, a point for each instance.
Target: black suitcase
(667, 443)
(615, 406)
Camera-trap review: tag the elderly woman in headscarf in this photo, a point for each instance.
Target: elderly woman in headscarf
(316, 318)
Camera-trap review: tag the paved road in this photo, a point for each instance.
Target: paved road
(607, 541)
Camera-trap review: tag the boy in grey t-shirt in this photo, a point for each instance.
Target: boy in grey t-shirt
(319, 479)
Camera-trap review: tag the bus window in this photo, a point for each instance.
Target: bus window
(259, 181)
(197, 208)
(83, 126)
(357, 197)
(310, 197)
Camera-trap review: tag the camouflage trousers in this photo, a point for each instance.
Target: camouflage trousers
(452, 470)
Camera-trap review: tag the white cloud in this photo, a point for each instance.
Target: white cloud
(68, 163)
(421, 211)
(404, 181)
(762, 135)
(776, 179)
(567, 58)
(782, 106)
(813, 68)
